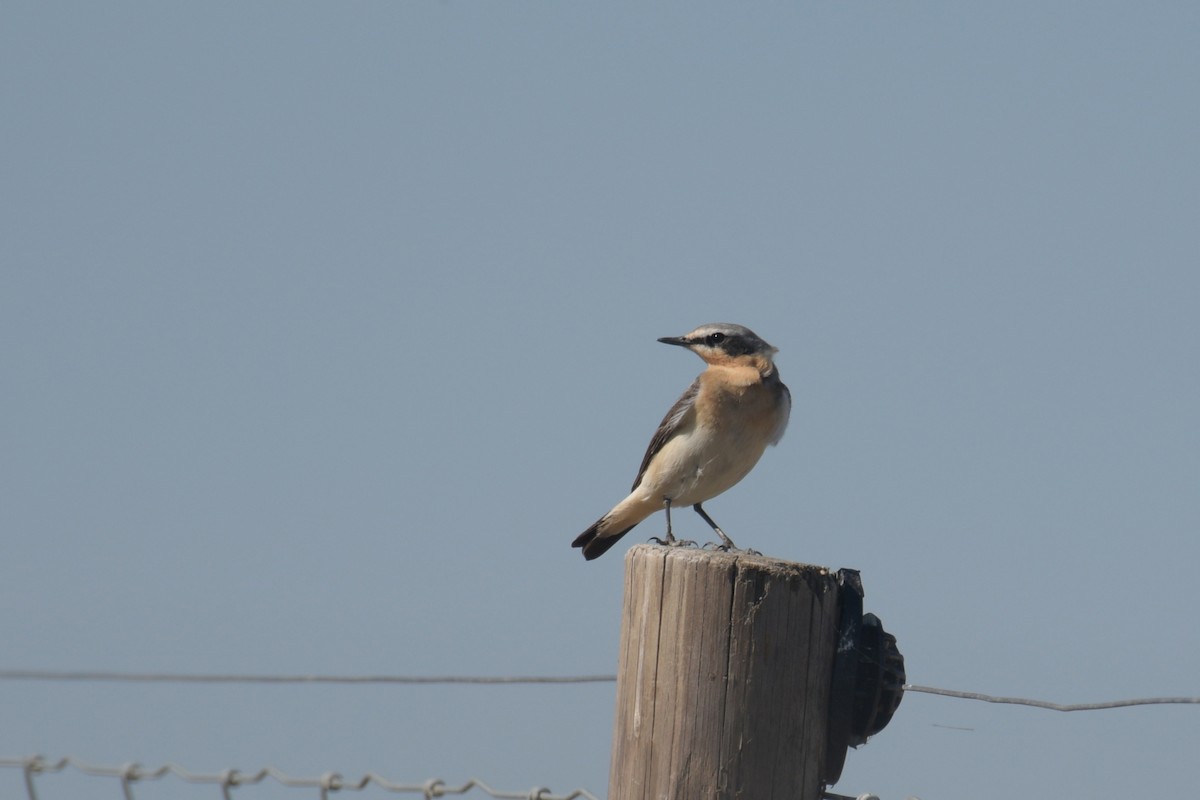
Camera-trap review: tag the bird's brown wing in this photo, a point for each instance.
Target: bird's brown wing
(675, 419)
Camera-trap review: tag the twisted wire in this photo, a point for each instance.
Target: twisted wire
(132, 773)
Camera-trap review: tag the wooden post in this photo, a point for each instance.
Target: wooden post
(723, 679)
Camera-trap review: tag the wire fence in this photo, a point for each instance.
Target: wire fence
(227, 780)
(1025, 701)
(183, 677)
(129, 775)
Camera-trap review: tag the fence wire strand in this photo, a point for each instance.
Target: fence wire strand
(182, 677)
(226, 780)
(1024, 701)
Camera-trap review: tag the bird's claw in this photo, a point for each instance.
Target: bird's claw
(722, 547)
(672, 542)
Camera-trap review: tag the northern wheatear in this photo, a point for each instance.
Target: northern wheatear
(709, 440)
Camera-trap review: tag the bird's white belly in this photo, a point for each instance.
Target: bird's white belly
(700, 464)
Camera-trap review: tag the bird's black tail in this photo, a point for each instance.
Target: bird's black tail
(594, 545)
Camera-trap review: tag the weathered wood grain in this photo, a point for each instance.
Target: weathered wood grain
(723, 677)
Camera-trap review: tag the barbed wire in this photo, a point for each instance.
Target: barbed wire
(180, 677)
(129, 774)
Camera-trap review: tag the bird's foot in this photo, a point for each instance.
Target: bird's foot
(671, 541)
(726, 544)
(729, 547)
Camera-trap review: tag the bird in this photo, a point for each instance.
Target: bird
(710, 439)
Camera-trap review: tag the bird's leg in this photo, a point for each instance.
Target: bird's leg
(671, 541)
(726, 542)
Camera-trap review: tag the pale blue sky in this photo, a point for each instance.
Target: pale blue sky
(326, 327)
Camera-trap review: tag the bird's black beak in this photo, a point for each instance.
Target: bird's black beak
(675, 340)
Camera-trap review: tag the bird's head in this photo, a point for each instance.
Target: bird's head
(724, 343)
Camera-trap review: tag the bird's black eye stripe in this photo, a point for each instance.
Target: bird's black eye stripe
(714, 338)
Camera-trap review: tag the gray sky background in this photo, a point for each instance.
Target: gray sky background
(326, 327)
